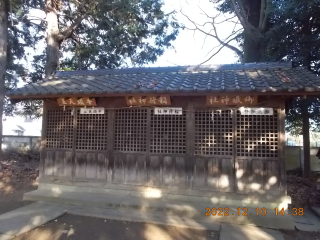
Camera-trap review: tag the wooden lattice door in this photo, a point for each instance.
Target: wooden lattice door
(168, 160)
(214, 150)
(257, 153)
(57, 154)
(130, 137)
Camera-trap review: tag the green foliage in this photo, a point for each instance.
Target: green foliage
(112, 34)
(19, 38)
(294, 119)
(292, 34)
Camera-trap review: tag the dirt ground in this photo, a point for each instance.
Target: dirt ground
(84, 228)
(18, 174)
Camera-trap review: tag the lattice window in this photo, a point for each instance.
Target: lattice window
(92, 131)
(213, 132)
(59, 129)
(131, 130)
(168, 133)
(257, 136)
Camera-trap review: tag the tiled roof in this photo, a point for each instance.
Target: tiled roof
(253, 77)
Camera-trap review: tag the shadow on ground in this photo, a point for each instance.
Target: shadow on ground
(79, 227)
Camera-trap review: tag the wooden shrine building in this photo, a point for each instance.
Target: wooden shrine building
(203, 131)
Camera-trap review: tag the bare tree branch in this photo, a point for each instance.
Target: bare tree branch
(223, 43)
(68, 32)
(226, 44)
(226, 20)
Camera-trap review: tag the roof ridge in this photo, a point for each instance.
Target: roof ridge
(190, 68)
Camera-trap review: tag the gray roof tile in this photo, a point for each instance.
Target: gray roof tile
(251, 77)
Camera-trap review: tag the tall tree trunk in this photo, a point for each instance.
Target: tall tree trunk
(4, 6)
(252, 51)
(252, 48)
(52, 39)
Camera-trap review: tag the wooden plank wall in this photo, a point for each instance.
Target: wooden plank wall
(183, 171)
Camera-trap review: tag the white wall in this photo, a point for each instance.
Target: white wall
(32, 128)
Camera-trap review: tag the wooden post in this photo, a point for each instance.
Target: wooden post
(234, 148)
(190, 144)
(43, 139)
(306, 137)
(75, 114)
(110, 146)
(147, 166)
(282, 146)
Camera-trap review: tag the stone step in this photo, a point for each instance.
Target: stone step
(181, 209)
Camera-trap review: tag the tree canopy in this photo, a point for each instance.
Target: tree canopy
(83, 35)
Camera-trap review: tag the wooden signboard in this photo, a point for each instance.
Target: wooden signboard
(167, 111)
(84, 101)
(256, 111)
(86, 110)
(220, 100)
(148, 100)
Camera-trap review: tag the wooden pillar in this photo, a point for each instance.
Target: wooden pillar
(43, 139)
(75, 114)
(282, 145)
(306, 138)
(110, 146)
(190, 134)
(234, 147)
(148, 139)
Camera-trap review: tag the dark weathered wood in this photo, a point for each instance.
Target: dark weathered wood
(227, 177)
(118, 168)
(148, 157)
(180, 172)
(171, 163)
(80, 165)
(75, 113)
(214, 174)
(282, 146)
(59, 164)
(43, 153)
(234, 148)
(102, 166)
(243, 175)
(168, 170)
(91, 165)
(49, 163)
(257, 175)
(68, 166)
(190, 143)
(155, 171)
(135, 169)
(272, 179)
(110, 145)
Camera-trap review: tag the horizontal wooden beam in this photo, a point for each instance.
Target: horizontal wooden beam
(189, 94)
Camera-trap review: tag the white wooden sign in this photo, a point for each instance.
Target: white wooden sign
(168, 111)
(92, 110)
(256, 111)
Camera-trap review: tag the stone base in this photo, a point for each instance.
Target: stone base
(185, 206)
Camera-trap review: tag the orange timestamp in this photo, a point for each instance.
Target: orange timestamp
(258, 211)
